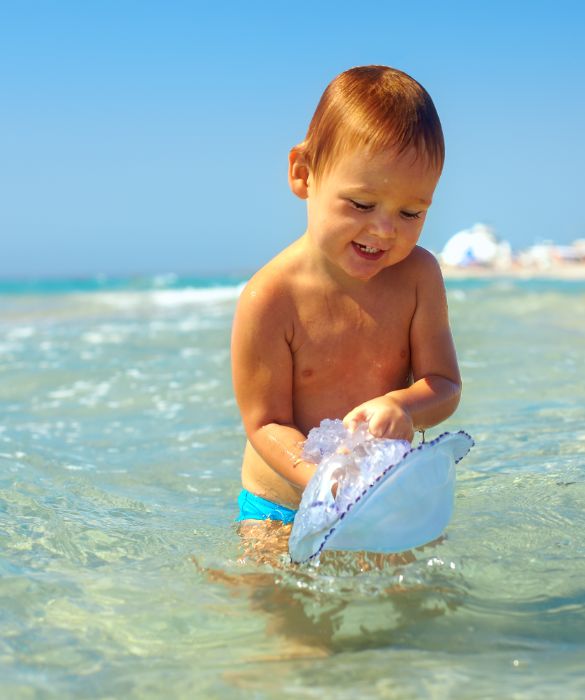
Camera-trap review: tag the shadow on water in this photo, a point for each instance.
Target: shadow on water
(418, 625)
(346, 602)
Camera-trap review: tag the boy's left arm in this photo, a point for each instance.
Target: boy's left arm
(436, 389)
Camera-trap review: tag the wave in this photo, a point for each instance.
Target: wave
(169, 298)
(104, 283)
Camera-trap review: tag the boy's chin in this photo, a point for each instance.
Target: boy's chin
(367, 270)
(364, 275)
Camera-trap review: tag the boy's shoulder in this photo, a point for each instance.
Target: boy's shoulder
(420, 267)
(270, 289)
(281, 273)
(428, 268)
(422, 259)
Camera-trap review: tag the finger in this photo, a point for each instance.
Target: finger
(379, 426)
(382, 426)
(354, 418)
(351, 424)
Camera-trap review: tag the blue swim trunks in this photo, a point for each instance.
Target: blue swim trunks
(254, 507)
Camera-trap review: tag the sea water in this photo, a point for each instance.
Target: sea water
(121, 570)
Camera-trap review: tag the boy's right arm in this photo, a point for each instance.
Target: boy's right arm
(262, 371)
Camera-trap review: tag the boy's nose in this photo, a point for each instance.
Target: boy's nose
(385, 226)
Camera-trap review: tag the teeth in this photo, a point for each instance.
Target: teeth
(368, 249)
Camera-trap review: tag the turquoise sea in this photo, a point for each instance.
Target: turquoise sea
(120, 570)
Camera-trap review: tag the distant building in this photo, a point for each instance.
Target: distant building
(547, 254)
(477, 246)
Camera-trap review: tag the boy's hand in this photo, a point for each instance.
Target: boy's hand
(385, 417)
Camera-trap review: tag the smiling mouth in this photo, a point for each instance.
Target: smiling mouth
(368, 252)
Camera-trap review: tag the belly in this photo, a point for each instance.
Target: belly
(262, 480)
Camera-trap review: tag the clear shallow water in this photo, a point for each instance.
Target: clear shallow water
(120, 445)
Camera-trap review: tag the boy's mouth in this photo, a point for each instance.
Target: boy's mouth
(366, 251)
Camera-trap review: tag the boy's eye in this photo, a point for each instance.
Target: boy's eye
(361, 206)
(411, 214)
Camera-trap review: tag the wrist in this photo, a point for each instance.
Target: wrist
(303, 471)
(399, 400)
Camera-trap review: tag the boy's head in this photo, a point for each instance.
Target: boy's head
(374, 108)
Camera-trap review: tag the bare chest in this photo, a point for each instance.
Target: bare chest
(337, 339)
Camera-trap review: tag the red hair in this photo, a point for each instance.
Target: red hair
(375, 108)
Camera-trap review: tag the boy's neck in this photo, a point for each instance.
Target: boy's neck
(319, 265)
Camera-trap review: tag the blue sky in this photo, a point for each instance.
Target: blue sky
(141, 137)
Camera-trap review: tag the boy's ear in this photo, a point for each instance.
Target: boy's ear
(298, 173)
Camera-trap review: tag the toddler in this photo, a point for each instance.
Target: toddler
(350, 321)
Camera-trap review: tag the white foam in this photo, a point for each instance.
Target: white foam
(170, 298)
(88, 393)
(107, 336)
(456, 295)
(20, 333)
(186, 297)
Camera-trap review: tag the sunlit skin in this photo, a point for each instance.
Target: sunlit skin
(349, 322)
